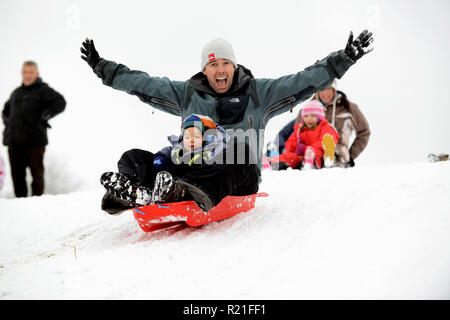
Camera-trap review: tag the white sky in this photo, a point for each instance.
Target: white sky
(401, 87)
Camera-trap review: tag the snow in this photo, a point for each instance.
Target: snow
(369, 232)
(379, 230)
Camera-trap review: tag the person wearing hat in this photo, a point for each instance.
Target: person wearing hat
(194, 167)
(226, 91)
(312, 142)
(347, 118)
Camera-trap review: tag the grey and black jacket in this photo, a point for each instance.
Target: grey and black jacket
(249, 104)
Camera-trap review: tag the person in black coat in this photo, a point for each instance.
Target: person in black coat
(283, 135)
(26, 116)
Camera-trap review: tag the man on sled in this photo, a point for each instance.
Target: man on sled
(227, 93)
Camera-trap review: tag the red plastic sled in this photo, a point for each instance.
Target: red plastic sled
(168, 215)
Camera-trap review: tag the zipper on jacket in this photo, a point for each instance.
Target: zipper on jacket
(250, 121)
(148, 99)
(278, 106)
(164, 103)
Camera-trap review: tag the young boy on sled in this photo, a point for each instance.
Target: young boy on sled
(202, 164)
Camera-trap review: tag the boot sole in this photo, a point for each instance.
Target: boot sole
(114, 205)
(120, 187)
(329, 147)
(163, 183)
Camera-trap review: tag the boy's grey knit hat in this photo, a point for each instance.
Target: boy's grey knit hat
(217, 49)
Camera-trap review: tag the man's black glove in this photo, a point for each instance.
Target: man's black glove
(90, 55)
(359, 47)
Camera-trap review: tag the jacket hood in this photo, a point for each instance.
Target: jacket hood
(241, 78)
(340, 96)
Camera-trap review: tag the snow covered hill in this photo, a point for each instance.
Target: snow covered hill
(367, 232)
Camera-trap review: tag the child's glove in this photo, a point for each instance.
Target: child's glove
(160, 163)
(300, 149)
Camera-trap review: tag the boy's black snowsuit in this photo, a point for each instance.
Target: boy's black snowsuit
(224, 166)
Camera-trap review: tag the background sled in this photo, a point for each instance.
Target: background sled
(170, 215)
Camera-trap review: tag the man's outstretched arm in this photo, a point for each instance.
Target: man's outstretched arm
(161, 93)
(279, 95)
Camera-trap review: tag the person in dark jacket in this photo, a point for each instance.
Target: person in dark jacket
(283, 135)
(226, 91)
(26, 116)
(201, 165)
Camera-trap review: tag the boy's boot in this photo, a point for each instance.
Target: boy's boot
(124, 188)
(170, 189)
(114, 205)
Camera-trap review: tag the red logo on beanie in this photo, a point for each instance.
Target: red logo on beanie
(212, 57)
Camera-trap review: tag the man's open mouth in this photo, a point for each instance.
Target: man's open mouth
(221, 82)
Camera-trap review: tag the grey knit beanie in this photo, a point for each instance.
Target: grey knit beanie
(217, 49)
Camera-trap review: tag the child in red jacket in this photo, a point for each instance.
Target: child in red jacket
(313, 139)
